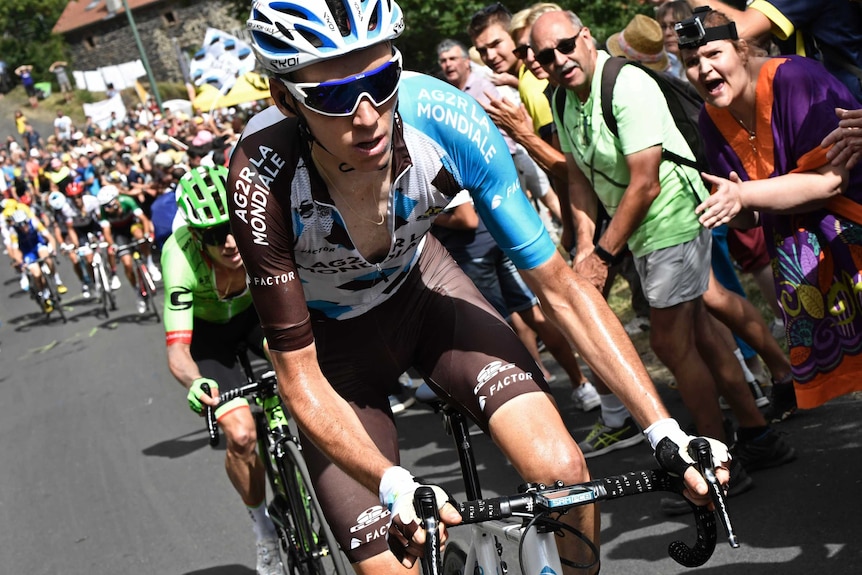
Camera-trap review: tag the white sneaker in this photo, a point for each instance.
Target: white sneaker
(268, 561)
(115, 282)
(25, 283)
(585, 397)
(155, 273)
(142, 305)
(777, 329)
(85, 291)
(637, 325)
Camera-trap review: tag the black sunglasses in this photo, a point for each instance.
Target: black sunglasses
(521, 51)
(215, 236)
(565, 46)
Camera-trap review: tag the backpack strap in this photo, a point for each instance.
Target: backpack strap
(609, 79)
(560, 102)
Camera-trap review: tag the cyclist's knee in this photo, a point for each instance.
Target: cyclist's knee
(241, 440)
(238, 427)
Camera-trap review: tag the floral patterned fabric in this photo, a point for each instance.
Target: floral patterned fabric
(816, 256)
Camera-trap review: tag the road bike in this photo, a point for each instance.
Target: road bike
(307, 545)
(539, 506)
(143, 278)
(97, 271)
(51, 302)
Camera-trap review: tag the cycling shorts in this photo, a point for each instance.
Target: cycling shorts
(438, 323)
(125, 235)
(215, 346)
(33, 256)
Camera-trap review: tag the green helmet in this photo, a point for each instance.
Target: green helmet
(202, 196)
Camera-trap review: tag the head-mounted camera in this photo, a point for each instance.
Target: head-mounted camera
(692, 34)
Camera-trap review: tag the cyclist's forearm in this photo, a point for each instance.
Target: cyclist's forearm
(326, 418)
(590, 325)
(181, 364)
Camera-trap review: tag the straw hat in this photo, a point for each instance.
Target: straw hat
(641, 40)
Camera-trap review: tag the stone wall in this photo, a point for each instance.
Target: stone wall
(165, 28)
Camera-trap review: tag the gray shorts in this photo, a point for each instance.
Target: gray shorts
(531, 176)
(676, 274)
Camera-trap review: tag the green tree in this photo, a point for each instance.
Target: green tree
(25, 34)
(430, 21)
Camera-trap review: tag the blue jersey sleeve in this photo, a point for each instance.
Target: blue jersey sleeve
(481, 162)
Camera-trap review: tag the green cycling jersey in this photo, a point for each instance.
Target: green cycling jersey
(190, 288)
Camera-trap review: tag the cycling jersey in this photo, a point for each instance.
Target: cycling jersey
(85, 219)
(29, 241)
(297, 251)
(124, 217)
(190, 289)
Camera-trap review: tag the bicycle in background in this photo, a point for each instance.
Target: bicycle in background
(90, 256)
(308, 546)
(144, 280)
(48, 299)
(539, 507)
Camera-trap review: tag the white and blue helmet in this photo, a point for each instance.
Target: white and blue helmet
(290, 34)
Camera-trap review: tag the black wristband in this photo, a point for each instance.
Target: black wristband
(607, 257)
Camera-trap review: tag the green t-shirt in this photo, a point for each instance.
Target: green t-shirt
(190, 289)
(643, 121)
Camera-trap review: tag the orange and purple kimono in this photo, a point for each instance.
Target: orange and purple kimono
(816, 256)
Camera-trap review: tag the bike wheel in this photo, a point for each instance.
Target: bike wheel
(109, 293)
(311, 547)
(99, 287)
(55, 296)
(454, 560)
(148, 290)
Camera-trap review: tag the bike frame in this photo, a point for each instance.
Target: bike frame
(146, 285)
(281, 454)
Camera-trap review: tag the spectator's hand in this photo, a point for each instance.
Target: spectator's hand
(197, 397)
(406, 537)
(593, 269)
(504, 79)
(510, 116)
(846, 139)
(725, 202)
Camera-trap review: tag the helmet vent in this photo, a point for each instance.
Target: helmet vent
(288, 33)
(341, 16)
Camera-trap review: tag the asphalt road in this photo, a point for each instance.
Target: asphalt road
(104, 470)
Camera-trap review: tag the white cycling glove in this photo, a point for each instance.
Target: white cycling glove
(669, 429)
(396, 493)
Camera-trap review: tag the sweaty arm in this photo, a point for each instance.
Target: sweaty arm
(326, 418)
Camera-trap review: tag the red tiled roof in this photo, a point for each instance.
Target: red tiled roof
(81, 13)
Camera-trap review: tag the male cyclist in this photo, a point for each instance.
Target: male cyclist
(81, 214)
(123, 221)
(30, 241)
(9, 206)
(208, 315)
(331, 206)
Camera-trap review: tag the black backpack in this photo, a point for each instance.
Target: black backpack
(683, 102)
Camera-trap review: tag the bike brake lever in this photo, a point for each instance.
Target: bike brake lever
(699, 450)
(209, 414)
(425, 505)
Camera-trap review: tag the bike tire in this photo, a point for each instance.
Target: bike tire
(55, 297)
(109, 293)
(314, 550)
(454, 560)
(99, 287)
(150, 291)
